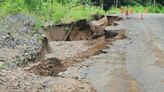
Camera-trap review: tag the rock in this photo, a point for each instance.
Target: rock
(18, 29)
(110, 33)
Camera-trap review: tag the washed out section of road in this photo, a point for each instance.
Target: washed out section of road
(107, 72)
(131, 65)
(22, 78)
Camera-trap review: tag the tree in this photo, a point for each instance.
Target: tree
(154, 2)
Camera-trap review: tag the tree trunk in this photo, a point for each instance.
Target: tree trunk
(102, 3)
(150, 2)
(154, 2)
(116, 3)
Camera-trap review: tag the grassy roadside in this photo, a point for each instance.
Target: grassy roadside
(58, 12)
(54, 12)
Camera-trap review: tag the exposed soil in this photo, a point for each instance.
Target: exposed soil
(49, 67)
(76, 53)
(36, 66)
(94, 48)
(134, 64)
(79, 30)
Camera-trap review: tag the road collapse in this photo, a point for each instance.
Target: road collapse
(69, 43)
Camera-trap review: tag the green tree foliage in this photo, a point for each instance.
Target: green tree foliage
(33, 4)
(61, 10)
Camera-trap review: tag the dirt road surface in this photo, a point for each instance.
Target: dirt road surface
(135, 64)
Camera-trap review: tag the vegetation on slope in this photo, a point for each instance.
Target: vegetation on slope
(68, 10)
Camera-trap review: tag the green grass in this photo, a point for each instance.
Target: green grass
(54, 12)
(81, 12)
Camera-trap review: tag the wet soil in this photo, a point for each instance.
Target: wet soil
(48, 67)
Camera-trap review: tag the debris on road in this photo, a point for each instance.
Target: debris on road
(38, 55)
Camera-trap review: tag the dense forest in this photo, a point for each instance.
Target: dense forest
(67, 10)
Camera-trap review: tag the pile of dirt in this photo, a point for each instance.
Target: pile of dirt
(17, 30)
(49, 67)
(18, 33)
(28, 55)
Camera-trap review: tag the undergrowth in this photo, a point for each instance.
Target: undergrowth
(57, 11)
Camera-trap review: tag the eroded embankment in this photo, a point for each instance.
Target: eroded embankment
(63, 43)
(55, 56)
